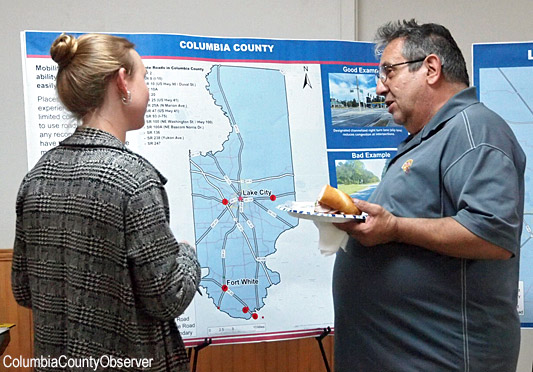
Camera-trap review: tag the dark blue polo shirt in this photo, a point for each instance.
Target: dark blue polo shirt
(400, 307)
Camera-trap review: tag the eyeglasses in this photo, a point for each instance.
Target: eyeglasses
(385, 69)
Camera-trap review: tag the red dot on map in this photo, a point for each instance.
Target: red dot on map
(245, 309)
(272, 197)
(224, 288)
(240, 198)
(225, 201)
(255, 316)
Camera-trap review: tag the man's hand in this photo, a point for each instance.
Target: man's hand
(380, 226)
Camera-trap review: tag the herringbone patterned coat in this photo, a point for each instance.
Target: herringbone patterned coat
(95, 259)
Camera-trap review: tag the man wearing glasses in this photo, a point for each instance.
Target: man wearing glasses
(429, 282)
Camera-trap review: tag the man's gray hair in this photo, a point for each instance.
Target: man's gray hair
(423, 40)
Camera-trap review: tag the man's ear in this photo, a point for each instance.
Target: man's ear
(122, 84)
(434, 68)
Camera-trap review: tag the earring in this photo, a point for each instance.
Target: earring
(127, 99)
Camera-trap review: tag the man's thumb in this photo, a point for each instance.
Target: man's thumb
(363, 205)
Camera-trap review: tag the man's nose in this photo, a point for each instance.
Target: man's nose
(381, 88)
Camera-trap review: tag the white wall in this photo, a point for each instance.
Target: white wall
(469, 22)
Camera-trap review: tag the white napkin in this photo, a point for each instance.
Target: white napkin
(330, 239)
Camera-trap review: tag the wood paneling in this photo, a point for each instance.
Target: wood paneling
(295, 356)
(291, 356)
(10, 312)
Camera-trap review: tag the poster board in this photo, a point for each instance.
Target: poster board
(240, 126)
(503, 75)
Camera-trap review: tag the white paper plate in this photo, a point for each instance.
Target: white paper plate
(306, 210)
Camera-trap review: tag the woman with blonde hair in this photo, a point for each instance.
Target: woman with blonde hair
(94, 256)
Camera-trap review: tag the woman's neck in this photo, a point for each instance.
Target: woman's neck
(99, 120)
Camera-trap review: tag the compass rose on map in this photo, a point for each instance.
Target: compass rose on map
(307, 82)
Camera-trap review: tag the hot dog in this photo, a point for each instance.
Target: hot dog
(333, 200)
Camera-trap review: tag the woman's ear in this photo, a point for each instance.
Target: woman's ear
(122, 83)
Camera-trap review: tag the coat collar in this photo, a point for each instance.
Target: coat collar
(92, 137)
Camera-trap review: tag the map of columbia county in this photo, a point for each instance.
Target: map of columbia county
(235, 191)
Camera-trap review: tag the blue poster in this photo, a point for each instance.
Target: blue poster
(503, 74)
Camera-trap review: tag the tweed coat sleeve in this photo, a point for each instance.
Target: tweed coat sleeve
(165, 273)
(19, 271)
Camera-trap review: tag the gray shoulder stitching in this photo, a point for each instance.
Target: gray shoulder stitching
(468, 129)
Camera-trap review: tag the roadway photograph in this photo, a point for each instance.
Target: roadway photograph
(361, 117)
(354, 102)
(359, 178)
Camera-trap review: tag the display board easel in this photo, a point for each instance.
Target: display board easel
(195, 349)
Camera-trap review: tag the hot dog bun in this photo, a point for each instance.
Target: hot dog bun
(337, 200)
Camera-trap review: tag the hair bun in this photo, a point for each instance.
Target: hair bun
(64, 49)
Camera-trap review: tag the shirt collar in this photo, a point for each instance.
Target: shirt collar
(455, 104)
